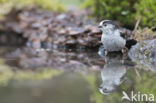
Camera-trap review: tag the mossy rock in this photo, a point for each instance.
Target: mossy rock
(144, 53)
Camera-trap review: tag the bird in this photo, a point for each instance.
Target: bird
(111, 37)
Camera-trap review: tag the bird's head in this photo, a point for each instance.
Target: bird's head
(108, 26)
(107, 89)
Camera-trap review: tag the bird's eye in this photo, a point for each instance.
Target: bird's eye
(104, 24)
(105, 89)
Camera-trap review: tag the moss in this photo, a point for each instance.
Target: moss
(146, 10)
(113, 9)
(125, 11)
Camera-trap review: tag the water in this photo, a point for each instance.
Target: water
(70, 77)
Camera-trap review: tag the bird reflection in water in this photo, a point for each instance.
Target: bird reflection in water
(113, 72)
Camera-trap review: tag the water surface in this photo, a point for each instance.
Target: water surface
(70, 77)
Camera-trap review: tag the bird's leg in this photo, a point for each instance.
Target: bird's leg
(124, 50)
(125, 53)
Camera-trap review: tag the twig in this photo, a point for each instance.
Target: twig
(137, 73)
(137, 24)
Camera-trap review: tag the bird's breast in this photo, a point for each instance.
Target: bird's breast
(113, 42)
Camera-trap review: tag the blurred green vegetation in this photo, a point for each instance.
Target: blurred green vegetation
(125, 11)
(46, 4)
(146, 9)
(54, 5)
(72, 2)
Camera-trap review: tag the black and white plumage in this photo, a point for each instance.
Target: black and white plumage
(111, 39)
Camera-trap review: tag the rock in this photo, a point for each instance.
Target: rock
(75, 31)
(93, 29)
(144, 53)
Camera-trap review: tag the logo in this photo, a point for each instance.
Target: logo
(137, 96)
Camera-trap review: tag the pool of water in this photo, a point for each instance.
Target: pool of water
(66, 76)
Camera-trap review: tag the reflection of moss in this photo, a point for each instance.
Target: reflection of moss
(145, 83)
(36, 75)
(7, 74)
(96, 97)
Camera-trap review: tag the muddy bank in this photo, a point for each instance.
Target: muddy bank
(53, 29)
(47, 29)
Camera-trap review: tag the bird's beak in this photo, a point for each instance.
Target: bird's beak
(99, 26)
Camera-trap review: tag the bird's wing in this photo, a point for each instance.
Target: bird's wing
(125, 33)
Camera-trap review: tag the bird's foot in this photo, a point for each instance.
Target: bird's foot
(102, 52)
